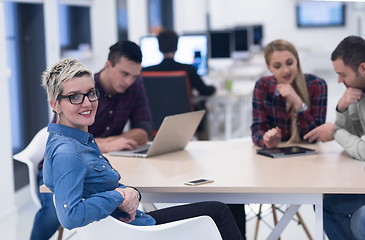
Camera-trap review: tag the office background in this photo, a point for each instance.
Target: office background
(107, 20)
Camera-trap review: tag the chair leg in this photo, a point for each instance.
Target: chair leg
(274, 215)
(304, 226)
(60, 232)
(258, 222)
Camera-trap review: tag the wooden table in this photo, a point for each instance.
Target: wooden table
(242, 176)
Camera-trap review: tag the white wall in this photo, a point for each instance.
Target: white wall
(52, 32)
(279, 21)
(190, 15)
(137, 19)
(104, 32)
(7, 204)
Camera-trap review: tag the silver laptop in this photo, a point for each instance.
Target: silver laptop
(174, 134)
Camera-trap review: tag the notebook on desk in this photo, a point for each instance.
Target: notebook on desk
(174, 134)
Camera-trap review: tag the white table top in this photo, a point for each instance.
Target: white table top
(236, 168)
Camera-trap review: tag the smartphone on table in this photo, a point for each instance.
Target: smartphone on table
(198, 182)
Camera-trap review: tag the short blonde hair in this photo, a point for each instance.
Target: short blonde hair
(64, 70)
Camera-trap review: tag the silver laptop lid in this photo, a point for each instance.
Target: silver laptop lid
(174, 134)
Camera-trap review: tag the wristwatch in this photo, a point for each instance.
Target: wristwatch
(303, 108)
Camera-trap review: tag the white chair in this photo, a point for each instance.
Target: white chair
(202, 227)
(32, 155)
(193, 228)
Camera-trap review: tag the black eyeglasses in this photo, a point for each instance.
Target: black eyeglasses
(78, 98)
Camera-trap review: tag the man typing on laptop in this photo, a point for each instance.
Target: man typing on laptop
(122, 98)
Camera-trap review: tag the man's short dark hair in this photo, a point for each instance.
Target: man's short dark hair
(167, 41)
(351, 50)
(126, 49)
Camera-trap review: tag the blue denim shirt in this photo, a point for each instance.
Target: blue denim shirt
(81, 178)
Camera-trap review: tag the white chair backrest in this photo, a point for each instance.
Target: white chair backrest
(202, 227)
(32, 155)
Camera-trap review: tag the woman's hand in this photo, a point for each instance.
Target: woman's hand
(290, 95)
(129, 204)
(272, 137)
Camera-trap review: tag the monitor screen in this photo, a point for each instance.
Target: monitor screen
(258, 34)
(220, 44)
(151, 54)
(191, 49)
(320, 14)
(243, 40)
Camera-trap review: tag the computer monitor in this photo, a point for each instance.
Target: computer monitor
(320, 14)
(151, 54)
(243, 40)
(220, 43)
(191, 49)
(258, 34)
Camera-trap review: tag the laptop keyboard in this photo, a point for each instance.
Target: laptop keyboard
(142, 151)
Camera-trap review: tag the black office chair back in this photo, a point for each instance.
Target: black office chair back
(168, 93)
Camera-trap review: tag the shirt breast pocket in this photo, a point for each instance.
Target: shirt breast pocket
(104, 173)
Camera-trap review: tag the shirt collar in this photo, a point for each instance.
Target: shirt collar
(81, 136)
(98, 83)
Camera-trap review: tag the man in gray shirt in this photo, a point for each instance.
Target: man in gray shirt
(344, 214)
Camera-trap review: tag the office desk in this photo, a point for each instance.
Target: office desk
(241, 176)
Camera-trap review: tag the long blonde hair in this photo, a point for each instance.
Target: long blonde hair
(299, 84)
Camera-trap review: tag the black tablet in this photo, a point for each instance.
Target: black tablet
(285, 151)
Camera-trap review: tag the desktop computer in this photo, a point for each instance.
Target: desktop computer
(191, 49)
(221, 43)
(243, 40)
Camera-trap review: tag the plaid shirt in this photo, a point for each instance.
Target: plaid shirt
(114, 111)
(269, 109)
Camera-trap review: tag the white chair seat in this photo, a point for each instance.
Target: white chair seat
(202, 227)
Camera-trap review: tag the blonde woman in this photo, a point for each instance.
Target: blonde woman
(287, 104)
(85, 185)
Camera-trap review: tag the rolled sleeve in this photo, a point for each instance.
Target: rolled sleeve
(352, 144)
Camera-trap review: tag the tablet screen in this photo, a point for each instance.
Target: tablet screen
(285, 151)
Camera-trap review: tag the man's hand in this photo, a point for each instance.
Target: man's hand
(115, 143)
(122, 143)
(350, 96)
(272, 137)
(322, 133)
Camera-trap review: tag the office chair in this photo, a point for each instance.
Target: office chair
(32, 155)
(168, 93)
(202, 227)
(274, 208)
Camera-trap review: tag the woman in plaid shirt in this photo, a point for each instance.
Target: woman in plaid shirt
(287, 104)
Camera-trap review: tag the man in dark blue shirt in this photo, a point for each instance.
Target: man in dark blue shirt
(167, 41)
